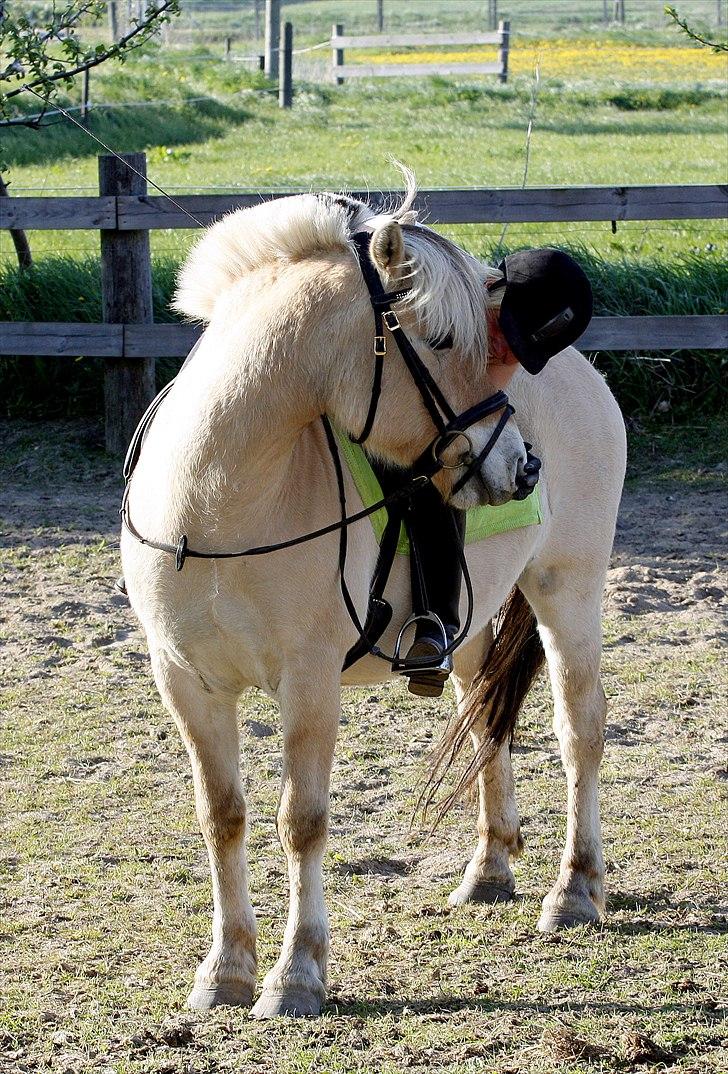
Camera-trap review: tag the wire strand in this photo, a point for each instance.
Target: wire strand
(118, 156)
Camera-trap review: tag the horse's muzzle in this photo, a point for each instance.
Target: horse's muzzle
(527, 476)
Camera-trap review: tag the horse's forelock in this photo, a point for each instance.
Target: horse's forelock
(447, 291)
(447, 285)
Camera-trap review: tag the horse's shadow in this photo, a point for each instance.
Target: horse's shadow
(445, 1004)
(650, 904)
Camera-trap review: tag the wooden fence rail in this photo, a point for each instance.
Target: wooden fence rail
(58, 340)
(453, 206)
(341, 41)
(124, 214)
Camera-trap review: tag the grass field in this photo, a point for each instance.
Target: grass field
(611, 106)
(641, 114)
(104, 880)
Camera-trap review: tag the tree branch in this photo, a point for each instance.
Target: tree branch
(123, 45)
(716, 46)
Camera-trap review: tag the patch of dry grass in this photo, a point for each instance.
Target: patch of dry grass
(104, 880)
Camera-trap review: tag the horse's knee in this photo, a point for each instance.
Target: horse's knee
(302, 830)
(223, 816)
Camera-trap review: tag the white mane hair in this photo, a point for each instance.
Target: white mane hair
(447, 293)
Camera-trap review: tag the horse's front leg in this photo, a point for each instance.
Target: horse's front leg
(207, 721)
(488, 877)
(310, 716)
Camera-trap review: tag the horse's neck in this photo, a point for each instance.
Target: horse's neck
(219, 457)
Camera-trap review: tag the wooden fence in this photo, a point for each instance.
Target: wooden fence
(124, 214)
(341, 70)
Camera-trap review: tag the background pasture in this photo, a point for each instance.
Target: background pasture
(103, 877)
(610, 105)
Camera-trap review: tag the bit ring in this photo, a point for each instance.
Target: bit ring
(449, 438)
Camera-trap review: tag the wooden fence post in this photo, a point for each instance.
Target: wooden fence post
(114, 20)
(504, 29)
(228, 49)
(272, 37)
(85, 93)
(285, 81)
(126, 292)
(337, 30)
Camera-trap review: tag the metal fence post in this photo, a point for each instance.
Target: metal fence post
(504, 29)
(126, 292)
(337, 30)
(272, 37)
(285, 81)
(380, 15)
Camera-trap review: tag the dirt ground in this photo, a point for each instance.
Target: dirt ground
(104, 886)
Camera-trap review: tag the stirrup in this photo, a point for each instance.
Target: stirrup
(405, 666)
(427, 681)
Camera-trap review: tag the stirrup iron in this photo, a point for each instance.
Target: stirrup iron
(404, 666)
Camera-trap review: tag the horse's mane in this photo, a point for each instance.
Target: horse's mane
(447, 293)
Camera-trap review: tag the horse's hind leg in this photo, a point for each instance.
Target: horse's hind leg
(310, 715)
(488, 877)
(567, 603)
(207, 721)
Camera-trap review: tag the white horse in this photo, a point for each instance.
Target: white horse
(237, 457)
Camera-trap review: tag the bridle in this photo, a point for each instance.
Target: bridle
(450, 426)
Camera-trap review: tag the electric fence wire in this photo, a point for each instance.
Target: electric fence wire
(119, 157)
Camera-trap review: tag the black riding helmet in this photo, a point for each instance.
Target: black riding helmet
(546, 306)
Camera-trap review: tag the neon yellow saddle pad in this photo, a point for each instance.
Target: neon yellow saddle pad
(480, 522)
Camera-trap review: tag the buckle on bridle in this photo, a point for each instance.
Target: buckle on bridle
(391, 320)
(380, 346)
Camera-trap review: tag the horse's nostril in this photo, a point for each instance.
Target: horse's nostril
(527, 474)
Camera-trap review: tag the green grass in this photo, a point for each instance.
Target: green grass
(466, 132)
(454, 132)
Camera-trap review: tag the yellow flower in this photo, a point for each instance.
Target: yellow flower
(574, 58)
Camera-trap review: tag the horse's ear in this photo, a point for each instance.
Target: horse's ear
(387, 248)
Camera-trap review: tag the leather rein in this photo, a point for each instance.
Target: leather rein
(449, 427)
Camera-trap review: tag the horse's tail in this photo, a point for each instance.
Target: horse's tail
(492, 703)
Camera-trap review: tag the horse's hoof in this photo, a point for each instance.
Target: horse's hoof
(203, 998)
(556, 920)
(296, 1003)
(484, 892)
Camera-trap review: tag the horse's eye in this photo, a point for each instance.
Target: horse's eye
(443, 344)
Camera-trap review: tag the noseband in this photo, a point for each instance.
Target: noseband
(449, 425)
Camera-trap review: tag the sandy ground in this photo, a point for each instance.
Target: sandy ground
(104, 880)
